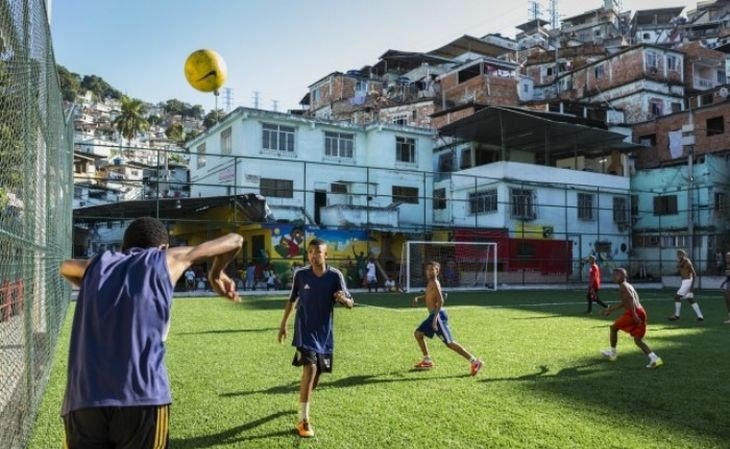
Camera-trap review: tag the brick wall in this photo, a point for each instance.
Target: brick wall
(482, 89)
(659, 153)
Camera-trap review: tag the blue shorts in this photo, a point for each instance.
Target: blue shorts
(443, 331)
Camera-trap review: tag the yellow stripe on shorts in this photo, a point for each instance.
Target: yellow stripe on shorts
(163, 417)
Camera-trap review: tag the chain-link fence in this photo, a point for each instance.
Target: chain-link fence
(544, 230)
(35, 213)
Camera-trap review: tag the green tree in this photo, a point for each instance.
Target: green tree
(195, 111)
(212, 117)
(100, 88)
(70, 83)
(176, 133)
(131, 120)
(154, 120)
(174, 107)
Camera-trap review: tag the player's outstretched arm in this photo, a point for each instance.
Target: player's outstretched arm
(222, 251)
(73, 270)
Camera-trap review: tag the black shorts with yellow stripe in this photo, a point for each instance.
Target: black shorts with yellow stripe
(306, 357)
(142, 427)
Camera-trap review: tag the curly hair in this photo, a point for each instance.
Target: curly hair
(145, 232)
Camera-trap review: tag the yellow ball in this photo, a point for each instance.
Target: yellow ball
(205, 70)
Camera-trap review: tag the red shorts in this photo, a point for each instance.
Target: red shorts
(626, 323)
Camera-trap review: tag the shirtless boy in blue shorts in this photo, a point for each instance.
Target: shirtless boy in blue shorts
(438, 322)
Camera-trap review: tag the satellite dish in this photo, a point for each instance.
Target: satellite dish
(723, 92)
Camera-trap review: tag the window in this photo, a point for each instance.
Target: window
(707, 99)
(646, 36)
(651, 60)
(226, 141)
(446, 162)
(315, 95)
(585, 207)
(405, 150)
(721, 77)
(656, 107)
(338, 187)
(483, 202)
(405, 194)
(676, 107)
(599, 72)
(400, 119)
(715, 126)
(549, 71)
(665, 205)
(439, 199)
(201, 155)
(280, 188)
(521, 204)
(634, 205)
(465, 158)
(648, 140)
(339, 145)
(278, 137)
(720, 202)
(672, 63)
(619, 210)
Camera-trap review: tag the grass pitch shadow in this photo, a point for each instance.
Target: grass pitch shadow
(232, 435)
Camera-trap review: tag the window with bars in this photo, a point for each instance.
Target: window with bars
(586, 209)
(405, 194)
(278, 137)
(620, 212)
(483, 202)
(279, 188)
(339, 145)
(405, 150)
(439, 199)
(226, 141)
(521, 204)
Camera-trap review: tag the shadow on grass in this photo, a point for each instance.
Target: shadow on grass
(232, 435)
(345, 382)
(230, 331)
(543, 372)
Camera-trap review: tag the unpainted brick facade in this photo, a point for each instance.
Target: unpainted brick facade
(710, 137)
(446, 117)
(415, 114)
(697, 56)
(483, 89)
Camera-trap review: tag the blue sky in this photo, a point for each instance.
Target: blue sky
(275, 47)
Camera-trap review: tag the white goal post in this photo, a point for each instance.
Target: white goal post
(464, 265)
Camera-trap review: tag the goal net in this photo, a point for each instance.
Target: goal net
(464, 265)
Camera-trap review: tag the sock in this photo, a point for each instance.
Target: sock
(677, 308)
(472, 359)
(426, 358)
(304, 411)
(613, 350)
(652, 357)
(697, 310)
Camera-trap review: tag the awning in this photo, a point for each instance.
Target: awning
(250, 207)
(516, 129)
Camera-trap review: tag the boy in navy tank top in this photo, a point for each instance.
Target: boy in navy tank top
(315, 290)
(117, 390)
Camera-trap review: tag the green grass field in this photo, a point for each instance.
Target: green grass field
(544, 384)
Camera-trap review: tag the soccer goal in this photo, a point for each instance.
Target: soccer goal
(464, 265)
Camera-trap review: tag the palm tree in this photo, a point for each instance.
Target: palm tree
(131, 121)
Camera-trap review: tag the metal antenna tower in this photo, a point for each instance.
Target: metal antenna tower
(228, 98)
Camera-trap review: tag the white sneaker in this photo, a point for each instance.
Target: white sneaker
(726, 321)
(656, 363)
(609, 355)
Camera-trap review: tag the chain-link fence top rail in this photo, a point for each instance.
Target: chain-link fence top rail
(35, 213)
